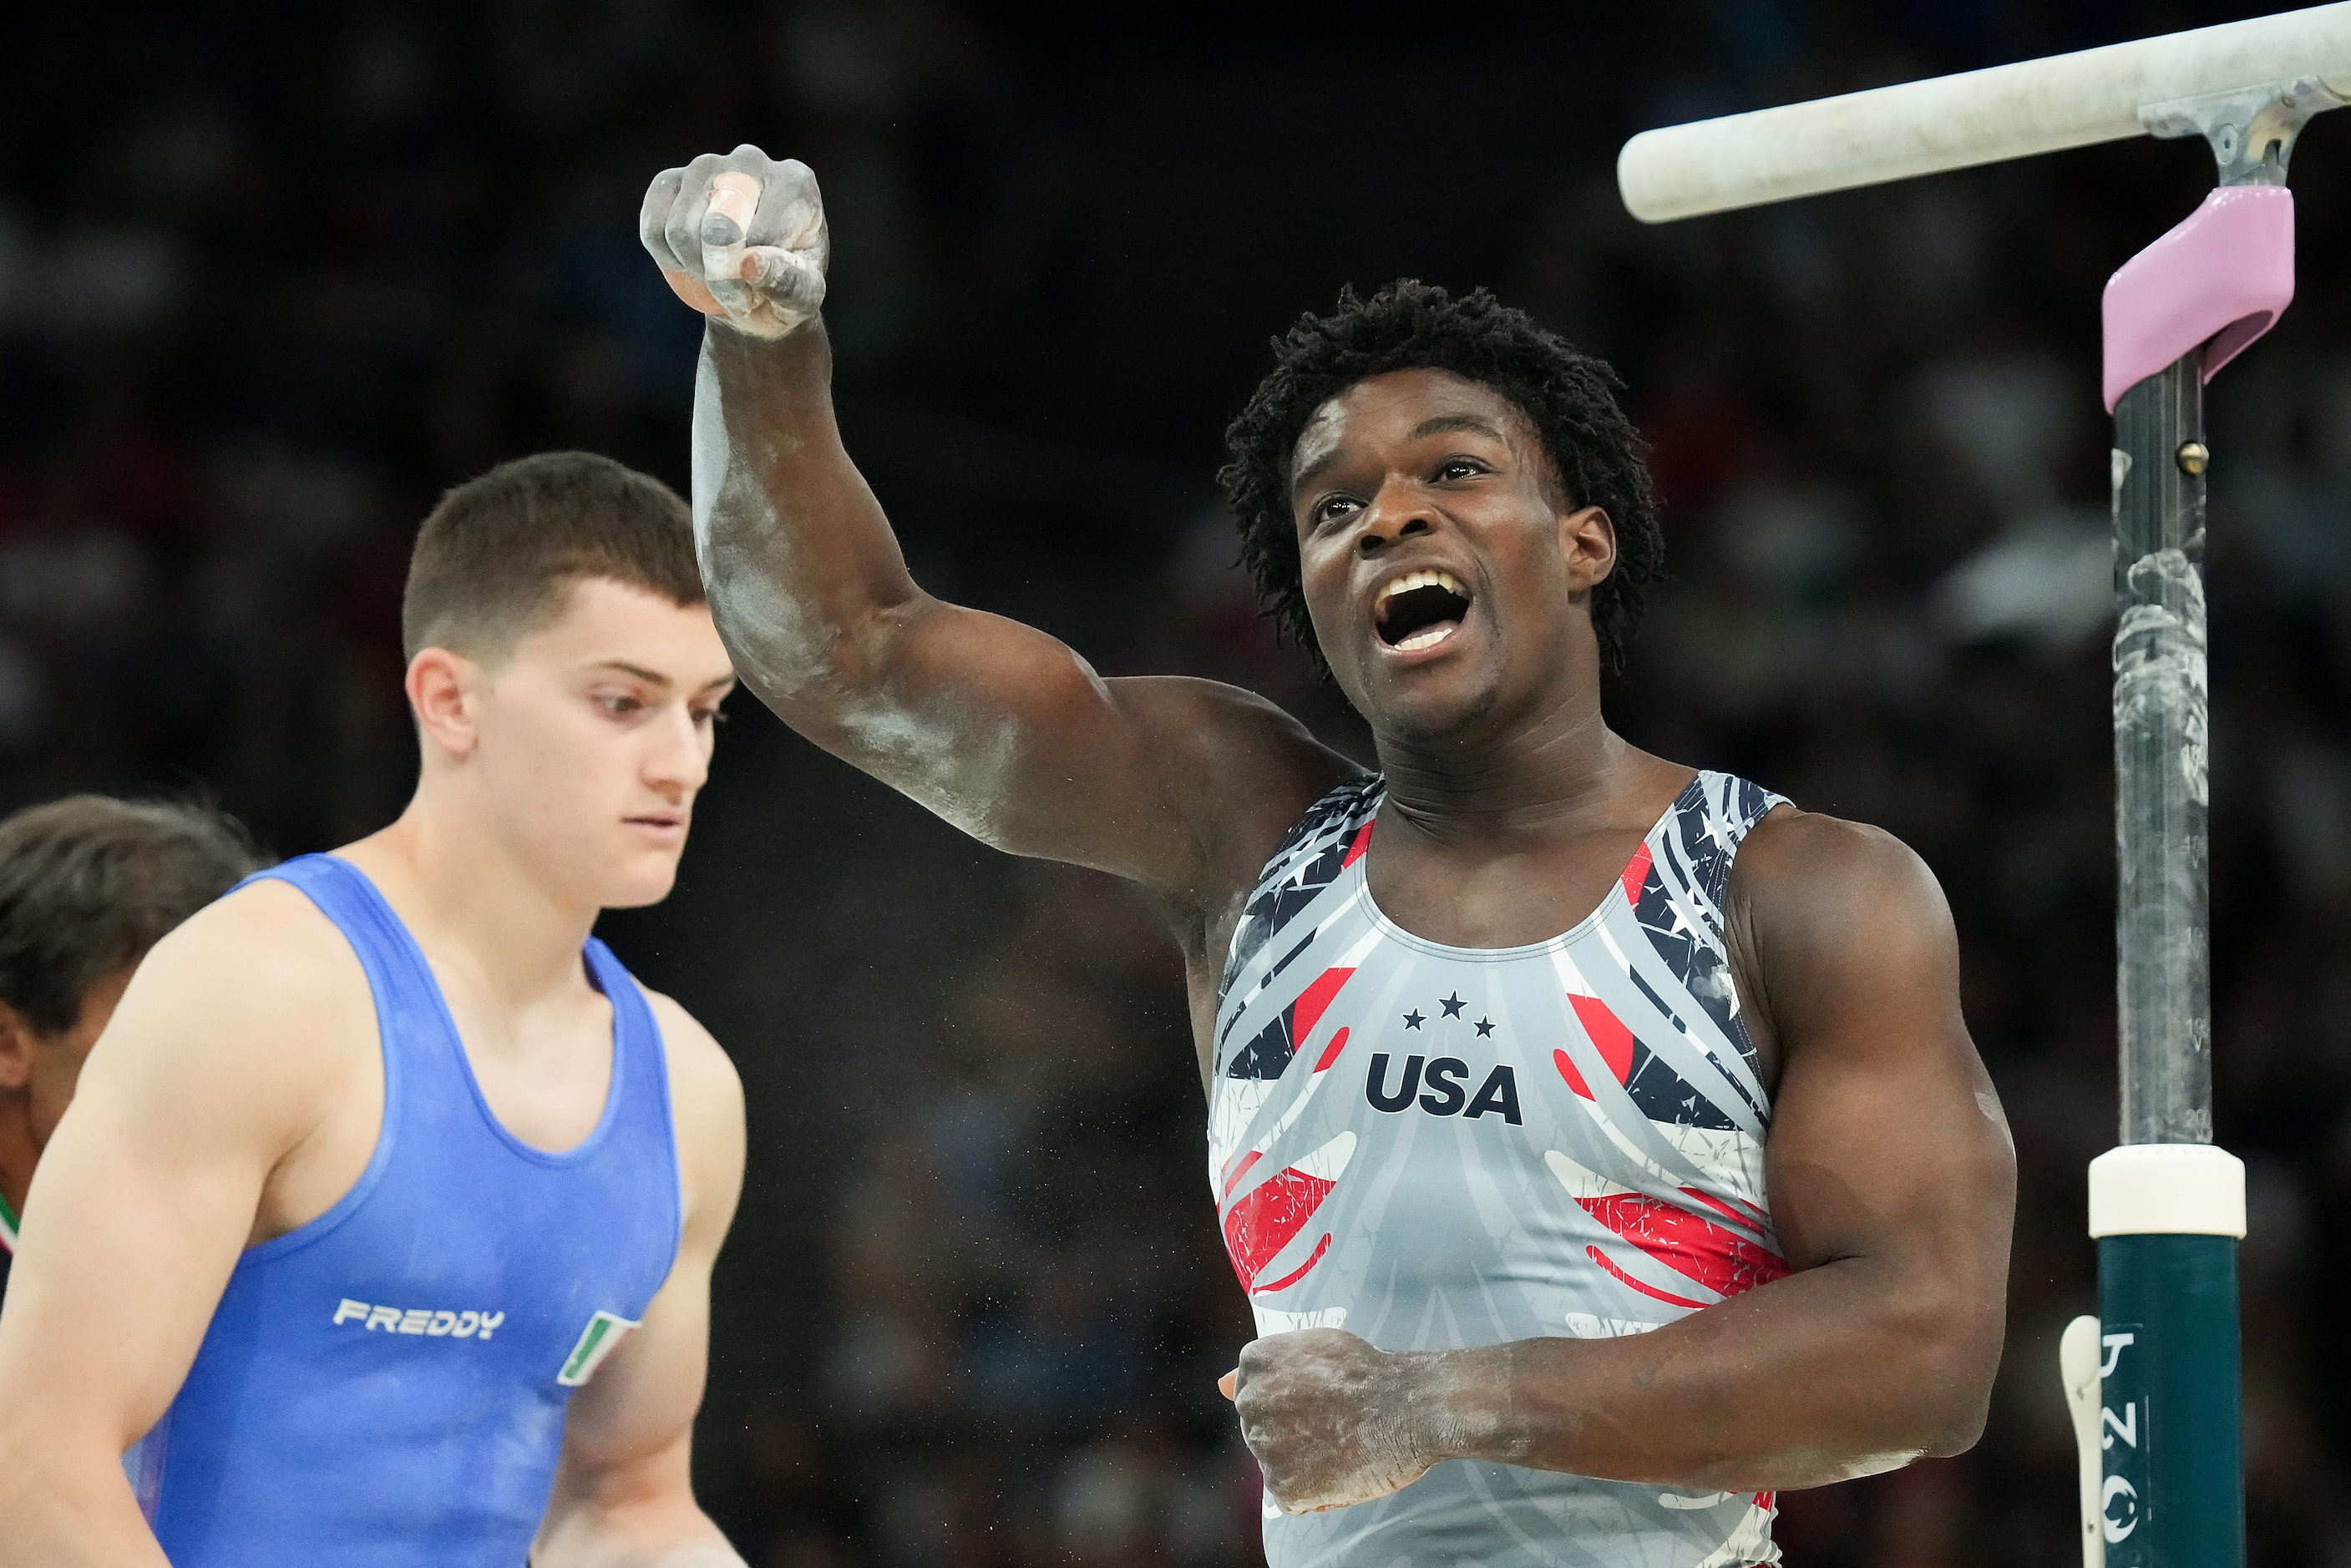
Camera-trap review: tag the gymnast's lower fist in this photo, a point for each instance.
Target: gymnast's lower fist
(741, 237)
(1333, 1419)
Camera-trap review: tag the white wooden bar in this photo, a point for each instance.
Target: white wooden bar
(1978, 117)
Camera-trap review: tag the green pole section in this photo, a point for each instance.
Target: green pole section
(2173, 1494)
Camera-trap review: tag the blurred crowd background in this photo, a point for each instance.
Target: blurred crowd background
(271, 276)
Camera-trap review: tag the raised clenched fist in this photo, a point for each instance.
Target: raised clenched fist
(1332, 1420)
(740, 236)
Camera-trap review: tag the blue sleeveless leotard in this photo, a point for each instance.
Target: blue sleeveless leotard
(384, 1387)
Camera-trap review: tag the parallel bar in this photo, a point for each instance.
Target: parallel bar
(2163, 987)
(1978, 117)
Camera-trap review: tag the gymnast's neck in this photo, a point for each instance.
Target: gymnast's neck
(453, 877)
(1501, 783)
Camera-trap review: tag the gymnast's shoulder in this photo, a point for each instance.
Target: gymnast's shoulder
(1247, 765)
(247, 1016)
(263, 958)
(1813, 887)
(706, 1098)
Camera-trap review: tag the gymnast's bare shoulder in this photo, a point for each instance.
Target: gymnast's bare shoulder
(248, 1035)
(1822, 912)
(706, 1109)
(1242, 769)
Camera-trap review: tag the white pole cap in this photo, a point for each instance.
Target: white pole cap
(2168, 1189)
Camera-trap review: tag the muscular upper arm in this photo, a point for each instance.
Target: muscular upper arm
(999, 728)
(208, 1073)
(1010, 734)
(1888, 1152)
(627, 1437)
(1144, 777)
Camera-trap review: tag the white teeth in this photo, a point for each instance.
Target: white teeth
(1427, 636)
(1412, 580)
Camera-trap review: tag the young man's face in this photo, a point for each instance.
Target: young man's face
(1447, 580)
(46, 1067)
(595, 736)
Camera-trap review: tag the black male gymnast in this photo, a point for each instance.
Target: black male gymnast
(1597, 1137)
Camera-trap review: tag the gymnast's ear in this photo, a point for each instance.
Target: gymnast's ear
(16, 1044)
(444, 694)
(1587, 537)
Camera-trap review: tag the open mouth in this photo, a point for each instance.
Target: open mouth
(1419, 609)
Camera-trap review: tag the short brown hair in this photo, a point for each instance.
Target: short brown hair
(88, 883)
(494, 557)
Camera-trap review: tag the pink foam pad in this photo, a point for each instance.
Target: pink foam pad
(2222, 277)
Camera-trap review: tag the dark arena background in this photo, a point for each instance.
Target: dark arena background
(273, 276)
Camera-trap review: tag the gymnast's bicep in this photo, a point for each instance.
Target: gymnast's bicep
(1888, 1154)
(147, 1193)
(1011, 735)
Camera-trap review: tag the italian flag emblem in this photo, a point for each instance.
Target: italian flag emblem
(598, 1340)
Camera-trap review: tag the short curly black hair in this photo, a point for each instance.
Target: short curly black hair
(1569, 398)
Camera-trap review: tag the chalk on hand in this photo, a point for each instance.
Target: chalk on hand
(726, 224)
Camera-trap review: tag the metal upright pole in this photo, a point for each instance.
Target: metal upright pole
(2167, 1208)
(2172, 1490)
(2163, 986)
